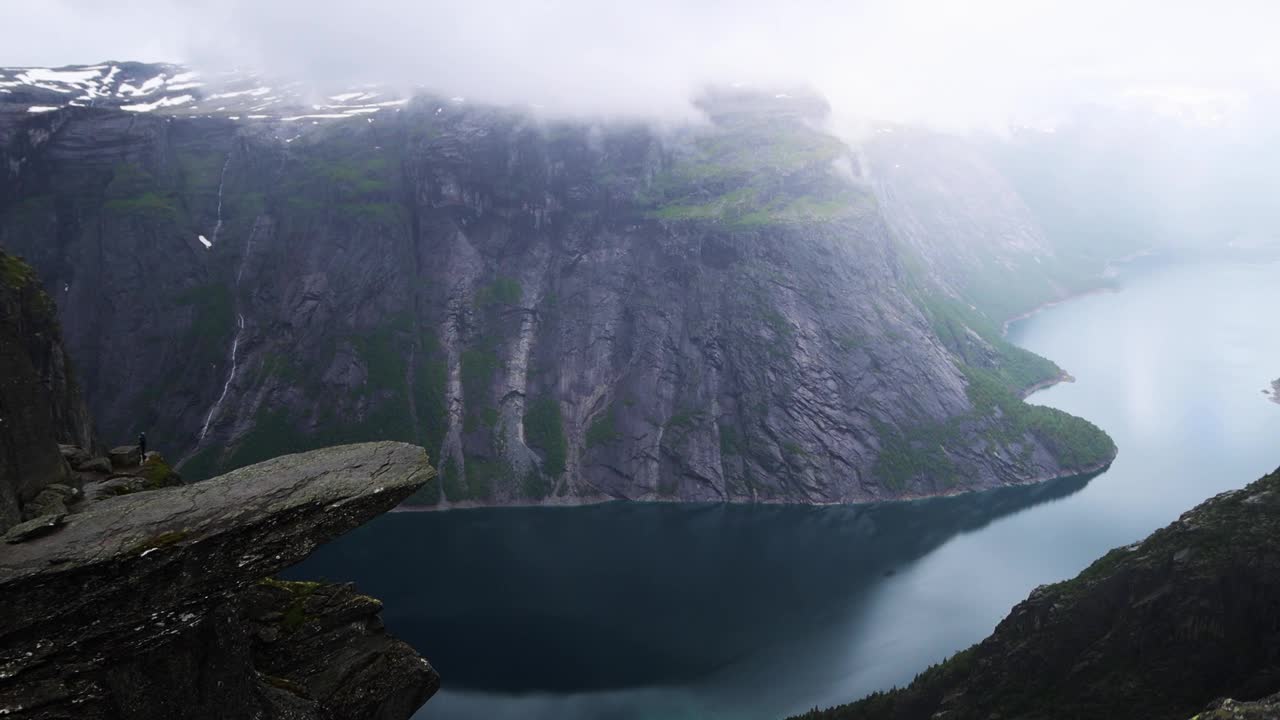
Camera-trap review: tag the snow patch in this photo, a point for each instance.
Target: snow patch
(72, 77)
(204, 241)
(319, 116)
(41, 108)
(146, 88)
(162, 102)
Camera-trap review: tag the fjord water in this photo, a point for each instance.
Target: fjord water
(709, 611)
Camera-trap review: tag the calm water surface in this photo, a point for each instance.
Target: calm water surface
(653, 611)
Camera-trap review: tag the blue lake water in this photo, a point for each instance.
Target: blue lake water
(633, 611)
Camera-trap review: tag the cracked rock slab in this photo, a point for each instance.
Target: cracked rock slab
(138, 606)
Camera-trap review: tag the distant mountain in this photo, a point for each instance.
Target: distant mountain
(174, 90)
(560, 311)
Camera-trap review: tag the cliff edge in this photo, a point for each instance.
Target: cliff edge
(160, 604)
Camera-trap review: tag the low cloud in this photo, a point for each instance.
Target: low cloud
(980, 63)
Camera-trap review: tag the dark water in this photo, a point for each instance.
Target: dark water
(652, 611)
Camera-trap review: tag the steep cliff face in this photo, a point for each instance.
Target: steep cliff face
(40, 404)
(561, 312)
(1155, 630)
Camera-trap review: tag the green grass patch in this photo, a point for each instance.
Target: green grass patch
(213, 322)
(544, 430)
(603, 430)
(502, 291)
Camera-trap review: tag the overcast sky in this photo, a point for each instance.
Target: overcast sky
(968, 62)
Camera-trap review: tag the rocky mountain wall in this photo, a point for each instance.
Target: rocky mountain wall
(40, 403)
(561, 312)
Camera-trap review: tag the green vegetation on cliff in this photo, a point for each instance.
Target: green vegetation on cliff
(544, 430)
(757, 169)
(998, 373)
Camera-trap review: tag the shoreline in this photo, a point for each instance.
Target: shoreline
(1093, 469)
(1099, 290)
(1108, 272)
(1062, 377)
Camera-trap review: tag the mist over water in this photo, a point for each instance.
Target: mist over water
(655, 611)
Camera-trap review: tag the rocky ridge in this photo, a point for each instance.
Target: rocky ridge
(562, 312)
(1157, 630)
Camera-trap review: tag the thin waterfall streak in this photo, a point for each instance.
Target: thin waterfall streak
(235, 342)
(217, 227)
(235, 347)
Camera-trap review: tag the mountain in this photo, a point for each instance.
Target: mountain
(1158, 629)
(561, 311)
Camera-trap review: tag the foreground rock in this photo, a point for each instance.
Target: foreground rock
(40, 401)
(153, 604)
(1155, 630)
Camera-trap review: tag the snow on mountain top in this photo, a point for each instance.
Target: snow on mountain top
(175, 90)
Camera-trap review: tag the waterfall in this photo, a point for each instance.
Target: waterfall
(235, 342)
(235, 347)
(222, 178)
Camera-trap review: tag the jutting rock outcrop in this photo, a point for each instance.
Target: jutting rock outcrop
(159, 603)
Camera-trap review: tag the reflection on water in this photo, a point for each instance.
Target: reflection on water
(657, 611)
(626, 595)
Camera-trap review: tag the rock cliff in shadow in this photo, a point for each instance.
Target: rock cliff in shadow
(40, 403)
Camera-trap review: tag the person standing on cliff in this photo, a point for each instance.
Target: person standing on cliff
(142, 446)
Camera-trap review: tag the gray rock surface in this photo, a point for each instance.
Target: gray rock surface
(125, 456)
(152, 605)
(435, 275)
(40, 403)
(38, 526)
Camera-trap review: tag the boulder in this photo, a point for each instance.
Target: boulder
(53, 500)
(153, 605)
(75, 455)
(96, 465)
(125, 456)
